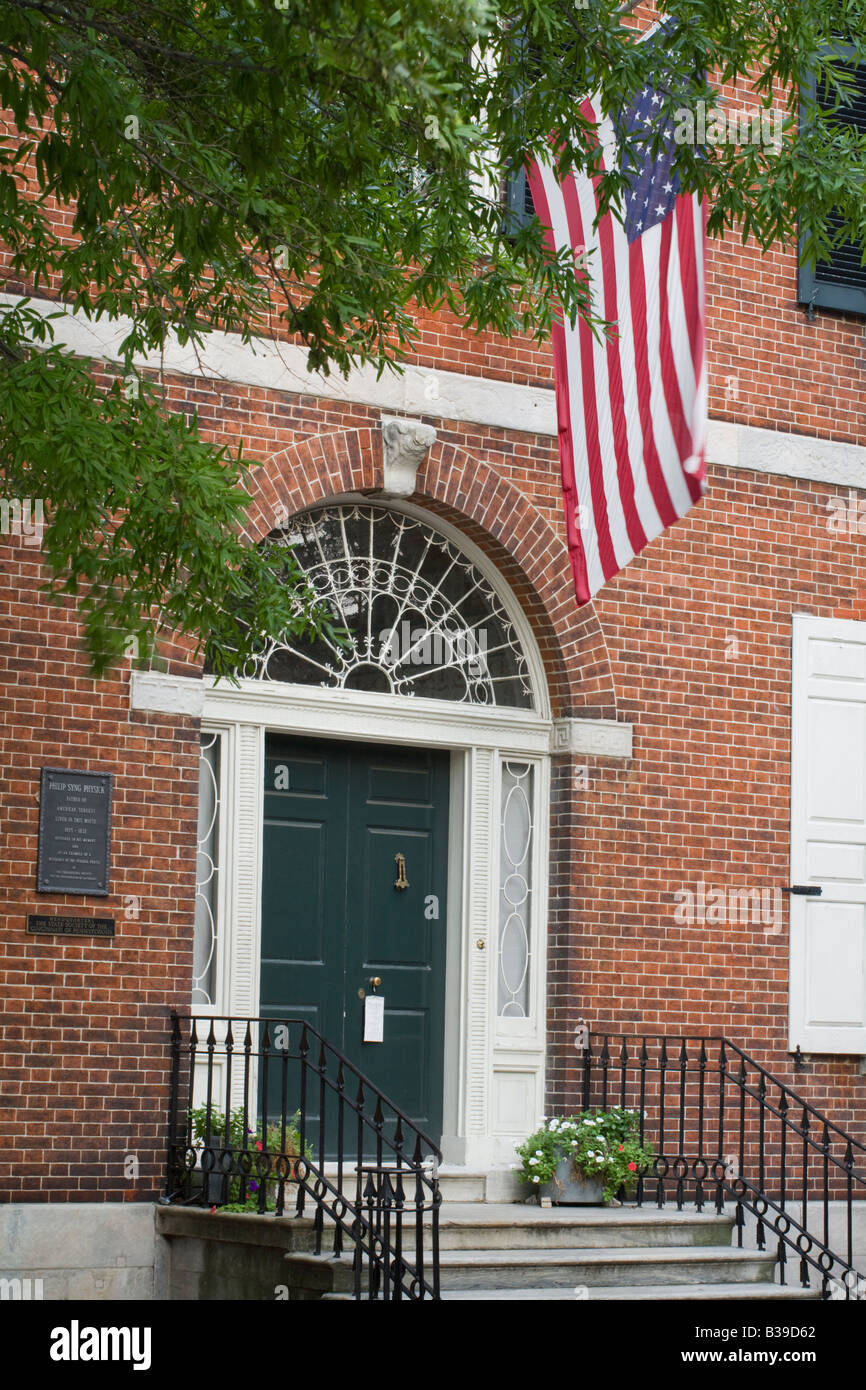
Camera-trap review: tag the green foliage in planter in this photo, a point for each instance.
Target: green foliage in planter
(601, 1144)
(242, 1139)
(250, 1205)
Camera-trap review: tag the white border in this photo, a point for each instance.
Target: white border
(439, 394)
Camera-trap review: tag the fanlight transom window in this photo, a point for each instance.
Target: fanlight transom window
(421, 618)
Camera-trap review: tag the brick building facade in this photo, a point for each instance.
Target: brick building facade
(659, 733)
(691, 647)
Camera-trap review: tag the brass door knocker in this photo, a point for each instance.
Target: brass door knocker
(401, 881)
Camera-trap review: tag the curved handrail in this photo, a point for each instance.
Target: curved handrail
(372, 1220)
(722, 1120)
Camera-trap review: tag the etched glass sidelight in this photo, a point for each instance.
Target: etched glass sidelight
(515, 889)
(419, 617)
(207, 871)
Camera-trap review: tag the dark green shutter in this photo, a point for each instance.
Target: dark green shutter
(839, 282)
(519, 207)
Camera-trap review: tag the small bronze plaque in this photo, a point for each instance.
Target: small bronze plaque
(70, 926)
(74, 832)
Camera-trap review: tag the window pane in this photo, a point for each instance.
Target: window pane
(207, 869)
(515, 889)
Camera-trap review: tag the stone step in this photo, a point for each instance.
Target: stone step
(636, 1293)
(506, 1226)
(456, 1184)
(678, 1293)
(484, 1269)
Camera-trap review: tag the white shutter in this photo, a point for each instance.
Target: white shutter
(828, 836)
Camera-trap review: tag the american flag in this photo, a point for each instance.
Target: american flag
(631, 409)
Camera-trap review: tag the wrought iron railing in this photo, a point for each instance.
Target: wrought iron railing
(725, 1130)
(265, 1111)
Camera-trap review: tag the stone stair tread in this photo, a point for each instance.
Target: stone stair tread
(675, 1293)
(597, 1255)
(519, 1214)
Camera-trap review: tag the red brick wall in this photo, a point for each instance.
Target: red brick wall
(83, 1070)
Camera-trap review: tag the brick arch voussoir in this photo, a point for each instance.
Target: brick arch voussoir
(309, 471)
(534, 560)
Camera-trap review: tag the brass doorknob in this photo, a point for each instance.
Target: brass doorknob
(375, 981)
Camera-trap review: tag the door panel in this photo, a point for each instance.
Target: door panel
(302, 902)
(336, 816)
(828, 836)
(399, 806)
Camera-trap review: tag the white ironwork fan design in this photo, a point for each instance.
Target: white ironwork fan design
(420, 617)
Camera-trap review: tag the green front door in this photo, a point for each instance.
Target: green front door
(336, 816)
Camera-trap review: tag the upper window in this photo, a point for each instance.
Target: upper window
(519, 206)
(839, 282)
(419, 617)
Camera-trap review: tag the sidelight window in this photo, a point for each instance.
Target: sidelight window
(516, 848)
(207, 870)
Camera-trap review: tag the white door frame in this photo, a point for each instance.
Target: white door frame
(494, 1067)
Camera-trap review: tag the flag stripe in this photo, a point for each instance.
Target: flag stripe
(669, 456)
(680, 426)
(637, 286)
(577, 552)
(583, 362)
(626, 531)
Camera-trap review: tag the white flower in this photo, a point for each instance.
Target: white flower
(540, 1153)
(533, 1162)
(536, 1178)
(590, 1154)
(574, 1143)
(600, 1159)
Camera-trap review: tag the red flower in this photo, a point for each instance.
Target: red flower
(632, 1167)
(212, 1210)
(258, 1143)
(621, 1147)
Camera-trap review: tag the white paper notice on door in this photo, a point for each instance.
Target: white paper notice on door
(374, 1018)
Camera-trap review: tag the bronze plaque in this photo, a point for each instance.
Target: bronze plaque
(74, 832)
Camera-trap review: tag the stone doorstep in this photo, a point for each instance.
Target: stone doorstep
(456, 1183)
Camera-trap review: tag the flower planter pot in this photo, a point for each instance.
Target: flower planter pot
(571, 1190)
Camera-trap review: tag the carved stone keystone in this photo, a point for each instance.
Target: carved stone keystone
(406, 444)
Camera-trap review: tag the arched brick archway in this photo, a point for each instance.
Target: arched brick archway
(491, 511)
